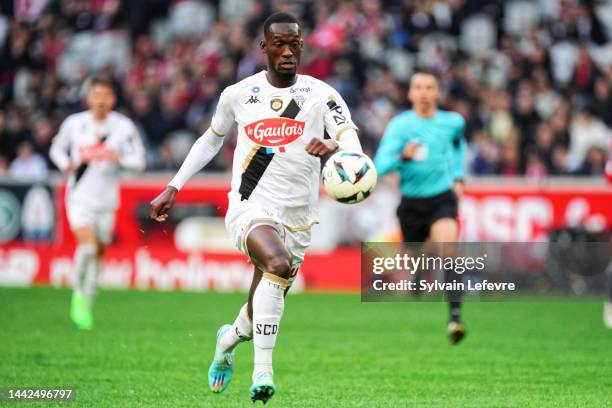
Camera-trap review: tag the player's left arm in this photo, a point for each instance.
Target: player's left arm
(129, 153)
(340, 128)
(459, 147)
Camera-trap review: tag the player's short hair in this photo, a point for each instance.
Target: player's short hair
(102, 81)
(425, 71)
(280, 17)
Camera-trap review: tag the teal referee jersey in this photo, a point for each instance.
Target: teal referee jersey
(439, 160)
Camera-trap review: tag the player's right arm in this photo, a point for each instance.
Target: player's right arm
(203, 150)
(61, 146)
(391, 148)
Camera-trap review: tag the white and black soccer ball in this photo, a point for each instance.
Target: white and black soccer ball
(349, 177)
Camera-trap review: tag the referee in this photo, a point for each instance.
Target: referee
(426, 146)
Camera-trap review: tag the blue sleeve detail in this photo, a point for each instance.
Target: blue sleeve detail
(387, 157)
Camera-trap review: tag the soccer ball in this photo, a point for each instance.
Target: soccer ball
(349, 176)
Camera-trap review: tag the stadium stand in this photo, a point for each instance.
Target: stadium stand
(532, 78)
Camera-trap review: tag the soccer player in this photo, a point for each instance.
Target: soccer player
(282, 118)
(426, 146)
(91, 148)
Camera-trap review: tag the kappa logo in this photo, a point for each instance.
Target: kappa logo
(273, 132)
(252, 99)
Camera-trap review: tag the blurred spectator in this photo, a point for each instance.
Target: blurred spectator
(501, 121)
(585, 70)
(510, 160)
(487, 159)
(28, 166)
(586, 132)
(560, 162)
(13, 131)
(6, 148)
(4, 165)
(544, 145)
(43, 133)
(526, 118)
(602, 101)
(594, 162)
(546, 99)
(535, 168)
(143, 113)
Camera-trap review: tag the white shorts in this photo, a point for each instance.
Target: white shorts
(292, 223)
(103, 221)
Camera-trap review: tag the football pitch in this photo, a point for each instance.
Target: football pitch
(152, 349)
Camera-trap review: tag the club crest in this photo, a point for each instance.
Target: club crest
(299, 99)
(276, 104)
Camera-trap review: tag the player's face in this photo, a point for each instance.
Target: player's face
(100, 99)
(283, 45)
(423, 91)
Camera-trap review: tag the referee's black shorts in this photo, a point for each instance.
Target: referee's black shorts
(417, 215)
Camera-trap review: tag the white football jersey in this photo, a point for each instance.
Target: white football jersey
(96, 184)
(271, 166)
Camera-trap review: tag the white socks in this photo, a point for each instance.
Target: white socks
(83, 257)
(242, 330)
(268, 306)
(87, 268)
(91, 280)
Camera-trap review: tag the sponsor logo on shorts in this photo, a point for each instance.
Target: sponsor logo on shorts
(274, 132)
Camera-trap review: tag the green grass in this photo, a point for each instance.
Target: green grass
(153, 350)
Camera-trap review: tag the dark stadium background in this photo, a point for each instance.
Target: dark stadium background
(533, 80)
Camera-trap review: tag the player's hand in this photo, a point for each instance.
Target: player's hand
(106, 154)
(88, 154)
(458, 188)
(162, 204)
(410, 150)
(318, 147)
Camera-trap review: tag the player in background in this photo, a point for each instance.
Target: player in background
(608, 303)
(426, 146)
(91, 148)
(282, 118)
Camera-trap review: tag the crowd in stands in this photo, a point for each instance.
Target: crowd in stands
(533, 79)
